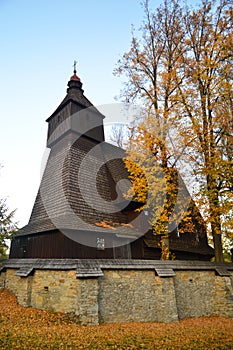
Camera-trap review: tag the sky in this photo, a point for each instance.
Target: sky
(39, 42)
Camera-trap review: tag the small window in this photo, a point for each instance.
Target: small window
(100, 243)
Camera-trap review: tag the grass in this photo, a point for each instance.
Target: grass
(28, 328)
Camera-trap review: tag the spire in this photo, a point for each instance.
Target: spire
(75, 96)
(74, 82)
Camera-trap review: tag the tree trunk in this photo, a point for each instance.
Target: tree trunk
(215, 217)
(217, 236)
(218, 247)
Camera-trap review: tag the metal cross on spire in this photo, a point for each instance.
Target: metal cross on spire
(74, 65)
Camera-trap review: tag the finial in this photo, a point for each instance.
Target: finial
(74, 76)
(74, 65)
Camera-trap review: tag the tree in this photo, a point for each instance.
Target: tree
(181, 70)
(208, 105)
(7, 227)
(117, 134)
(151, 67)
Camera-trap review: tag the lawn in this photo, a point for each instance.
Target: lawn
(27, 328)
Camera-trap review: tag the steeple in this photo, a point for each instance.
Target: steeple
(74, 81)
(74, 102)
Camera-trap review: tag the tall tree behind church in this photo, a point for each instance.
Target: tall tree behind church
(179, 67)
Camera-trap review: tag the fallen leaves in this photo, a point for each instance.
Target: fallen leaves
(31, 329)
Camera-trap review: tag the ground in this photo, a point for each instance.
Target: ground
(31, 329)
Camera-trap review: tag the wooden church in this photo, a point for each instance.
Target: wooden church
(77, 217)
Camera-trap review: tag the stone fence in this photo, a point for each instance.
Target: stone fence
(96, 291)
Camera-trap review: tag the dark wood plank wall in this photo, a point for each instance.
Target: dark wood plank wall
(54, 244)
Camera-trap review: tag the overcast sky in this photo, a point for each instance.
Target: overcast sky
(39, 42)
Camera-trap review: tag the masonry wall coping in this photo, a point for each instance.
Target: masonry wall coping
(94, 267)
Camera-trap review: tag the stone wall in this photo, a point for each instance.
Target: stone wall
(123, 294)
(133, 295)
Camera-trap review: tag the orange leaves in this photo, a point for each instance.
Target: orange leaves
(139, 181)
(112, 224)
(31, 329)
(105, 224)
